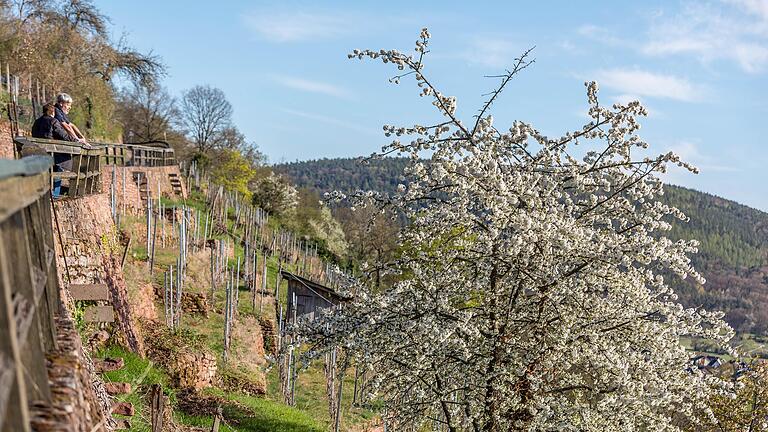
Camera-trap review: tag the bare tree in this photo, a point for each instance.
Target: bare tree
(82, 15)
(205, 114)
(110, 58)
(146, 111)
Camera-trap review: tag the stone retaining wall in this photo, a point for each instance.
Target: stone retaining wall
(6, 141)
(93, 253)
(131, 195)
(79, 401)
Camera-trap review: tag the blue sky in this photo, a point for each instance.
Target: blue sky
(701, 68)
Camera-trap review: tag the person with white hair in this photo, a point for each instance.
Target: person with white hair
(63, 105)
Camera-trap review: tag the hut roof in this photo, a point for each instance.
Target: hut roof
(321, 290)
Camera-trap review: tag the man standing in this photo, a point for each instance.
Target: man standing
(63, 105)
(47, 126)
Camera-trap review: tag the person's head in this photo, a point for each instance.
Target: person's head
(49, 109)
(64, 101)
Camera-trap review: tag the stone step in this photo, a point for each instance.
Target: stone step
(116, 388)
(108, 364)
(123, 408)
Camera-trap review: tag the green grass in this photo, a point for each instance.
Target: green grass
(311, 396)
(141, 374)
(242, 412)
(255, 414)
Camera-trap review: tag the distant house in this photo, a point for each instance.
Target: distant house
(707, 362)
(311, 297)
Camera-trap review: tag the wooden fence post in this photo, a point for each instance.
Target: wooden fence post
(217, 420)
(158, 408)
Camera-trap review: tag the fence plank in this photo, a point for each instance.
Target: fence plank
(20, 192)
(89, 292)
(99, 314)
(14, 396)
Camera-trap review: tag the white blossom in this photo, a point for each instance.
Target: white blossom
(533, 286)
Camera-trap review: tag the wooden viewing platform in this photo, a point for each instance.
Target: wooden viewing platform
(84, 175)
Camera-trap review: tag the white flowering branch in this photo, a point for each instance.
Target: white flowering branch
(531, 289)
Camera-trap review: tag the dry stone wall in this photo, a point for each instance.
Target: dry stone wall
(195, 370)
(87, 231)
(6, 141)
(79, 402)
(131, 195)
(91, 248)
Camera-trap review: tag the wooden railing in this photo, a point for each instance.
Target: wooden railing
(150, 156)
(116, 154)
(144, 155)
(82, 178)
(29, 292)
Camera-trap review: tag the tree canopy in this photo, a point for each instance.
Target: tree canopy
(531, 293)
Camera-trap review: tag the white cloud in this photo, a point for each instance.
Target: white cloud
(690, 152)
(601, 34)
(756, 7)
(330, 120)
(295, 26)
(643, 83)
(494, 52)
(736, 31)
(312, 86)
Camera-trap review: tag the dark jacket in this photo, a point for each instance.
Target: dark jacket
(59, 114)
(50, 128)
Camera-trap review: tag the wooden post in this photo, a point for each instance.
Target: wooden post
(253, 281)
(158, 408)
(213, 276)
(16, 396)
(216, 420)
(125, 252)
(237, 286)
(354, 389)
(341, 388)
(154, 238)
(124, 170)
(170, 290)
(227, 319)
(179, 274)
(165, 297)
(292, 368)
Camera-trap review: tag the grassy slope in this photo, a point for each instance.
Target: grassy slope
(243, 413)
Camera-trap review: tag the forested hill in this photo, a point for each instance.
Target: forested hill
(734, 238)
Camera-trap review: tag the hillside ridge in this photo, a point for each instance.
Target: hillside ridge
(733, 255)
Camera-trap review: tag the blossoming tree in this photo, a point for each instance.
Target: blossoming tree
(532, 291)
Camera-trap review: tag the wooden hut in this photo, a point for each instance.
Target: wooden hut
(310, 297)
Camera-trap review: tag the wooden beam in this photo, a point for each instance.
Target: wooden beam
(99, 314)
(14, 397)
(89, 292)
(20, 192)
